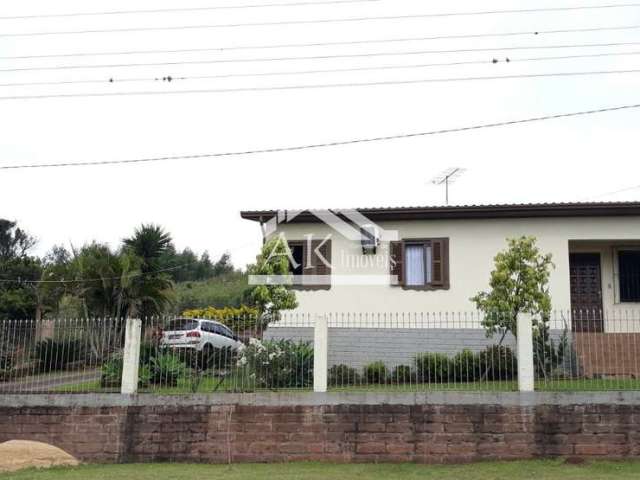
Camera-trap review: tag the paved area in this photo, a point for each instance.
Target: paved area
(48, 382)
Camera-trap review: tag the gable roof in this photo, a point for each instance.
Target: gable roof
(518, 210)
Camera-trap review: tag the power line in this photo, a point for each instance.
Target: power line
(133, 275)
(314, 86)
(328, 144)
(316, 21)
(622, 190)
(315, 57)
(87, 280)
(186, 9)
(321, 44)
(171, 78)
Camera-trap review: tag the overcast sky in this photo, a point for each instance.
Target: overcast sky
(199, 201)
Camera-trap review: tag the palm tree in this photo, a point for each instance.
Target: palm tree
(149, 243)
(153, 289)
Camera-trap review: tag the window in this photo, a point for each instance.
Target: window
(297, 252)
(220, 330)
(207, 327)
(227, 332)
(311, 264)
(629, 268)
(181, 325)
(420, 263)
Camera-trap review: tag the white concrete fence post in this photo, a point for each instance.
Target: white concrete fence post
(320, 354)
(131, 356)
(525, 353)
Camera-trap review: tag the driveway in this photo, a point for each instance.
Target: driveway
(48, 382)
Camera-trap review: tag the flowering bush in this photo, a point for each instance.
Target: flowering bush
(277, 363)
(238, 319)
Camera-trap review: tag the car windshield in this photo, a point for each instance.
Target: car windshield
(183, 324)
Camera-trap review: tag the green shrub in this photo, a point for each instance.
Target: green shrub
(55, 355)
(498, 363)
(375, 373)
(111, 372)
(341, 375)
(166, 369)
(148, 350)
(144, 375)
(7, 364)
(208, 358)
(466, 366)
(277, 363)
(432, 367)
(216, 358)
(402, 374)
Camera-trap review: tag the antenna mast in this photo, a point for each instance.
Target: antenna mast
(449, 176)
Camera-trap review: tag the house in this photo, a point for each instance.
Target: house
(433, 259)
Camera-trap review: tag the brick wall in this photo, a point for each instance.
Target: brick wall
(608, 354)
(341, 433)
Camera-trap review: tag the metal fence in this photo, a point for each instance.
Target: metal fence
(58, 356)
(572, 351)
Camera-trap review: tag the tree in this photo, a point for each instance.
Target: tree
(223, 265)
(18, 298)
(519, 284)
(14, 242)
(52, 287)
(272, 260)
(187, 260)
(111, 284)
(18, 271)
(148, 244)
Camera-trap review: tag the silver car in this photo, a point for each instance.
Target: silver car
(200, 335)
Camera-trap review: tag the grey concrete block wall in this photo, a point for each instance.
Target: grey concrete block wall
(357, 347)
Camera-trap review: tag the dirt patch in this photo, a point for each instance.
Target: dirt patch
(19, 454)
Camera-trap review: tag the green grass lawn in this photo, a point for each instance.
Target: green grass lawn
(535, 470)
(209, 385)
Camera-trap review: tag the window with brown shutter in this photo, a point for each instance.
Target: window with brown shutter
(396, 254)
(310, 258)
(420, 263)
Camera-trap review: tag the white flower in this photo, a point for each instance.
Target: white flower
(242, 361)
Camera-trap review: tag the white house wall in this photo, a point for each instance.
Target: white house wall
(472, 247)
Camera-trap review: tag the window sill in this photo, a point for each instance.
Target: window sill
(310, 287)
(424, 288)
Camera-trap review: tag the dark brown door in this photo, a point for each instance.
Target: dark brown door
(586, 292)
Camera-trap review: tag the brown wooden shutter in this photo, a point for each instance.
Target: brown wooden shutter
(319, 267)
(440, 262)
(396, 261)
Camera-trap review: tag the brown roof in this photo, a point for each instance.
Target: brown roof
(522, 210)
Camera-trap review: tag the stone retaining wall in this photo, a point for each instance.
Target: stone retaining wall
(328, 431)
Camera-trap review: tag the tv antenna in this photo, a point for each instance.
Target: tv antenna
(449, 176)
